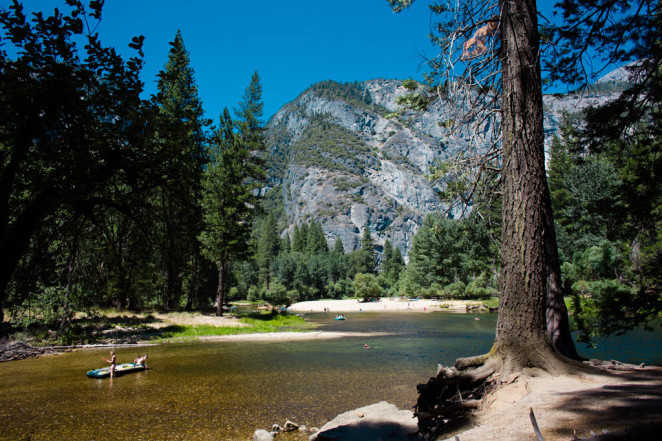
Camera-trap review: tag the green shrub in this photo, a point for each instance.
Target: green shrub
(366, 287)
(454, 290)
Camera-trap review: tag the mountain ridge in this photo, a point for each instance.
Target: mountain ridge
(339, 156)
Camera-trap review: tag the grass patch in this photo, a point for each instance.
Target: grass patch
(492, 302)
(257, 323)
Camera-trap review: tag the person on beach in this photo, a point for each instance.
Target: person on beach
(113, 362)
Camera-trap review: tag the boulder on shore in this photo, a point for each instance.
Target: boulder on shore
(380, 421)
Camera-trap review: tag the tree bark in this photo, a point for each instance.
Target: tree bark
(522, 334)
(220, 289)
(558, 326)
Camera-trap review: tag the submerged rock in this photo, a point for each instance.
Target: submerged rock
(262, 435)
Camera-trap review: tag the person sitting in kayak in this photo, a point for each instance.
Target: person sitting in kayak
(112, 362)
(141, 360)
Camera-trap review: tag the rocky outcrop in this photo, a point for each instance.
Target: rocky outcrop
(338, 155)
(379, 421)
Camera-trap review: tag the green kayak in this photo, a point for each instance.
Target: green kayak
(120, 369)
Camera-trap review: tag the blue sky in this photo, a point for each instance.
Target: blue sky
(291, 43)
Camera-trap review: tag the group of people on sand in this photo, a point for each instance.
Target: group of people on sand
(140, 360)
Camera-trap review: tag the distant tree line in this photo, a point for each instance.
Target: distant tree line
(301, 266)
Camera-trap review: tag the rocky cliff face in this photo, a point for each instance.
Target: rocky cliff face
(340, 157)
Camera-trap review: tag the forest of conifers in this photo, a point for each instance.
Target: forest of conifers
(111, 200)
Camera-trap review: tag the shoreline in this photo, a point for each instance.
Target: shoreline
(159, 320)
(383, 305)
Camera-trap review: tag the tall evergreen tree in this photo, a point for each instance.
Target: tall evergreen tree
(251, 131)
(316, 242)
(368, 252)
(300, 238)
(337, 261)
(286, 245)
(387, 255)
(267, 248)
(227, 208)
(180, 125)
(392, 263)
(338, 246)
(230, 199)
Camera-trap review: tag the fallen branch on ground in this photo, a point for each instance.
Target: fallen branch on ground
(20, 350)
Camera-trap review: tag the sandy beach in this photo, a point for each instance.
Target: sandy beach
(383, 305)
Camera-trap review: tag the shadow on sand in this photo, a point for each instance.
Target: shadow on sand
(631, 410)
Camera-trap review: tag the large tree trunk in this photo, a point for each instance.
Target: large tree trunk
(220, 289)
(522, 335)
(558, 326)
(532, 328)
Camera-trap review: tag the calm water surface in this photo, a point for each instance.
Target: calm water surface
(224, 391)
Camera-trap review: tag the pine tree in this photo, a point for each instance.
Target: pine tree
(338, 246)
(300, 238)
(227, 205)
(392, 263)
(286, 245)
(337, 261)
(180, 133)
(367, 252)
(251, 131)
(387, 256)
(267, 248)
(316, 242)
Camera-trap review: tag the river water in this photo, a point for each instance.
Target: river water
(225, 391)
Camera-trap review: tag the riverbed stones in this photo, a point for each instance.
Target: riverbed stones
(262, 435)
(290, 426)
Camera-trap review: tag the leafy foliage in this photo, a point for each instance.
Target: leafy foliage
(451, 254)
(76, 139)
(608, 227)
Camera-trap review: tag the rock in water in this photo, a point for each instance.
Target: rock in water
(262, 435)
(381, 421)
(290, 426)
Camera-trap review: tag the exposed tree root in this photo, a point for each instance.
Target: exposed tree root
(452, 395)
(456, 392)
(20, 350)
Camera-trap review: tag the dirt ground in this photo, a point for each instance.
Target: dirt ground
(626, 405)
(588, 406)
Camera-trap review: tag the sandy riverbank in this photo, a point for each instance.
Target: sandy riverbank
(383, 305)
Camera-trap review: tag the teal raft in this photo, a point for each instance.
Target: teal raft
(120, 369)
